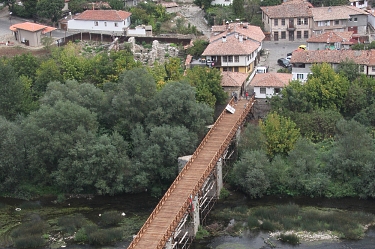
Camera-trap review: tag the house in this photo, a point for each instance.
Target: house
(31, 34)
(303, 60)
(331, 40)
(339, 18)
(222, 2)
(234, 82)
(361, 4)
(234, 47)
(290, 20)
(267, 85)
(100, 21)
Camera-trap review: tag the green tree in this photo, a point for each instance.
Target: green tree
(12, 162)
(349, 69)
(77, 6)
(30, 8)
(204, 4)
(173, 68)
(48, 71)
(175, 104)
(116, 4)
(51, 132)
(249, 173)
(25, 64)
(207, 82)
(51, 10)
(198, 47)
(238, 8)
(326, 89)
(252, 138)
(252, 7)
(156, 153)
(15, 96)
(280, 132)
(94, 165)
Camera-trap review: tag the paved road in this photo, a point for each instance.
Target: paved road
(277, 50)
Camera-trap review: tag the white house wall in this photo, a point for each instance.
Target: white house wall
(85, 25)
(222, 2)
(270, 91)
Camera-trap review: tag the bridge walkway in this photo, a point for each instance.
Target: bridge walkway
(165, 218)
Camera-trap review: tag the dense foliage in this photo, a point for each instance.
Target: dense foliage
(100, 123)
(333, 157)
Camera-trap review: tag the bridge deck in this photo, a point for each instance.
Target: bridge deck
(166, 216)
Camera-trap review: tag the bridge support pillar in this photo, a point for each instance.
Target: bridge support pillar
(219, 177)
(195, 215)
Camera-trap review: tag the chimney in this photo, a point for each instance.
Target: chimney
(329, 9)
(241, 24)
(224, 39)
(240, 38)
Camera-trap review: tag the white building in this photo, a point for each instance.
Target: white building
(101, 21)
(267, 85)
(222, 2)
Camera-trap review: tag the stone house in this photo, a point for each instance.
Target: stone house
(339, 18)
(303, 60)
(267, 85)
(292, 20)
(331, 40)
(234, 47)
(234, 82)
(30, 34)
(361, 4)
(100, 21)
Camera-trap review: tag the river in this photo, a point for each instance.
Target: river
(142, 205)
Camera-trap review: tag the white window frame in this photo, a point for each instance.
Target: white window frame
(262, 90)
(300, 76)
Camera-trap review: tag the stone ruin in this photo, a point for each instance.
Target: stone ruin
(159, 52)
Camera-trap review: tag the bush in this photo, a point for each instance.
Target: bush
(202, 233)
(252, 222)
(111, 218)
(81, 235)
(289, 238)
(70, 224)
(31, 241)
(224, 193)
(268, 226)
(105, 236)
(31, 228)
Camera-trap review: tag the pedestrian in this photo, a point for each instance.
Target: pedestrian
(235, 97)
(247, 95)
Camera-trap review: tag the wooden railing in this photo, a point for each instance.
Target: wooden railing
(200, 183)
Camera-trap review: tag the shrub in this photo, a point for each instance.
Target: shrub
(70, 224)
(224, 193)
(268, 226)
(289, 238)
(30, 228)
(81, 235)
(105, 236)
(252, 222)
(288, 210)
(30, 205)
(202, 233)
(31, 241)
(111, 218)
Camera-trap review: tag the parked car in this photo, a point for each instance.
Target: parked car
(262, 69)
(283, 62)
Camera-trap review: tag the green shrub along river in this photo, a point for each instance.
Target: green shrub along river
(235, 222)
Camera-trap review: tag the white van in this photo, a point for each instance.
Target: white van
(262, 69)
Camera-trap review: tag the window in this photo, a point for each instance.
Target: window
(355, 19)
(283, 22)
(230, 58)
(306, 34)
(283, 35)
(276, 22)
(236, 58)
(96, 23)
(225, 69)
(105, 24)
(337, 22)
(236, 69)
(350, 19)
(298, 34)
(299, 76)
(116, 24)
(277, 90)
(262, 90)
(230, 69)
(225, 58)
(306, 21)
(299, 21)
(373, 69)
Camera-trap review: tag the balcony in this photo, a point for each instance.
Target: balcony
(291, 27)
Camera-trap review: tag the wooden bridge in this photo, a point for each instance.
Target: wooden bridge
(166, 217)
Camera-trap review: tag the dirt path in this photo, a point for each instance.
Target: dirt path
(194, 15)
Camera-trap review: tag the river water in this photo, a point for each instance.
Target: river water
(142, 205)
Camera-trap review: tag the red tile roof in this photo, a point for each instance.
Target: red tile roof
(332, 37)
(250, 31)
(233, 78)
(332, 56)
(296, 8)
(232, 46)
(271, 79)
(103, 15)
(336, 13)
(32, 27)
